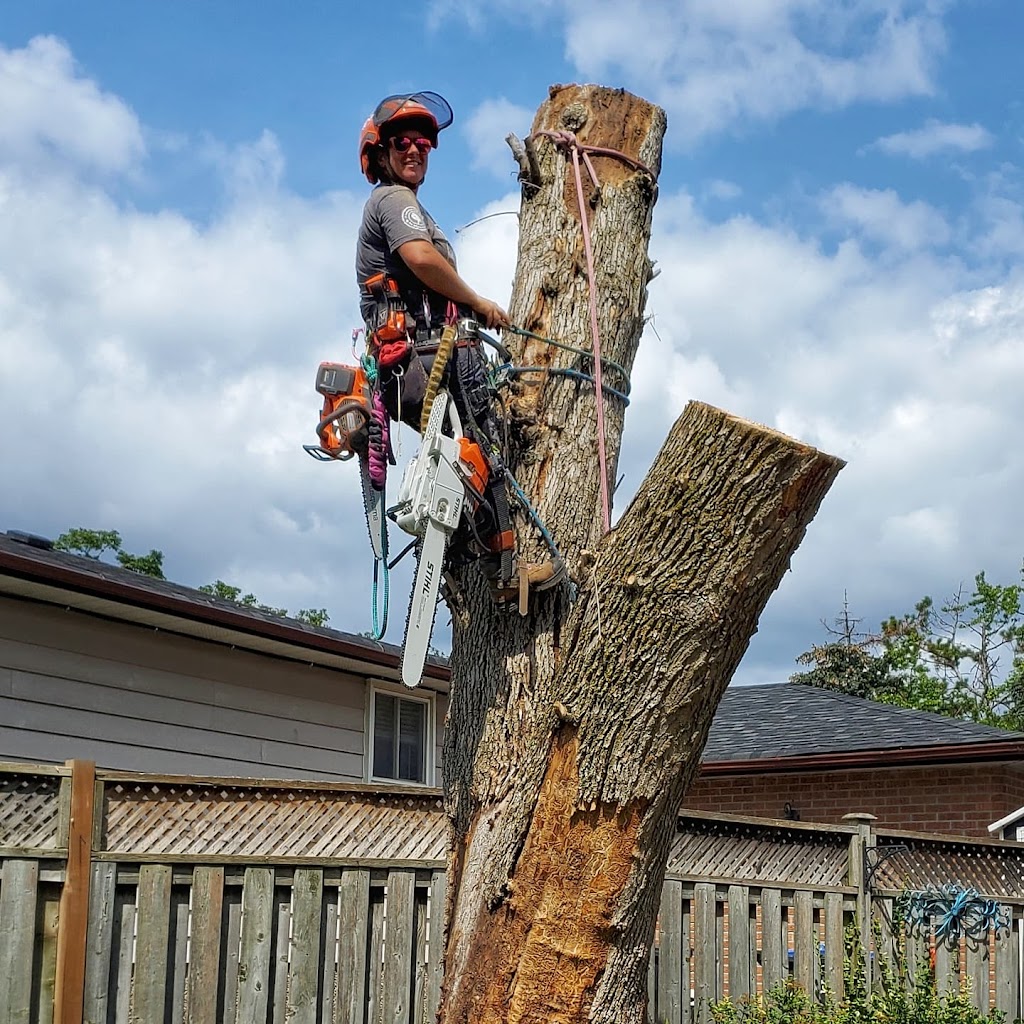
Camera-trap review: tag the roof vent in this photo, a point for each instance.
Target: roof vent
(33, 540)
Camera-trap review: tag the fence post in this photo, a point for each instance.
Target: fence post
(860, 842)
(72, 932)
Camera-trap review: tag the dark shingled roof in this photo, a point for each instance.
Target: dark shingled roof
(789, 720)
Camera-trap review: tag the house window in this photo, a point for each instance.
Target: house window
(401, 737)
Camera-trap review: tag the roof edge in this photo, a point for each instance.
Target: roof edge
(72, 579)
(946, 753)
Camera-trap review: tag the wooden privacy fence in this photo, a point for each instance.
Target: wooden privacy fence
(128, 900)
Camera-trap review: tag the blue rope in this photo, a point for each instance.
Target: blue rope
(380, 627)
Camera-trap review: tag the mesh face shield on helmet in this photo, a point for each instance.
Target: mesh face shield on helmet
(426, 108)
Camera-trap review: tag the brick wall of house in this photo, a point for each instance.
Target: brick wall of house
(958, 799)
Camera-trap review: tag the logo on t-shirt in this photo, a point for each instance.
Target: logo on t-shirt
(412, 218)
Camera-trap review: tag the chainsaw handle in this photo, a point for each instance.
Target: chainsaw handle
(342, 409)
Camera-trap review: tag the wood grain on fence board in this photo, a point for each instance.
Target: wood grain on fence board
(123, 943)
(45, 983)
(204, 961)
(152, 943)
(835, 943)
(670, 954)
(254, 951)
(375, 955)
(396, 1004)
(282, 913)
(773, 969)
(18, 895)
(705, 951)
(353, 925)
(978, 974)
(304, 984)
(435, 946)
(329, 956)
(739, 943)
(1007, 991)
(100, 943)
(805, 952)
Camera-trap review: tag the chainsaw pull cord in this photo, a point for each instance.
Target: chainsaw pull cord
(568, 140)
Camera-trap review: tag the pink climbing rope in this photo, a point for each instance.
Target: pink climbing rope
(570, 142)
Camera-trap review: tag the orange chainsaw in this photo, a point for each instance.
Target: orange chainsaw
(344, 431)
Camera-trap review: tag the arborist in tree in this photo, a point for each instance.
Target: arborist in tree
(405, 266)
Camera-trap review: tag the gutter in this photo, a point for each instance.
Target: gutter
(66, 577)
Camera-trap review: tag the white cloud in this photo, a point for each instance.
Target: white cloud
(881, 216)
(935, 137)
(485, 131)
(716, 63)
(49, 110)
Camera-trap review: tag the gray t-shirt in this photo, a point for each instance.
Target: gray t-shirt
(393, 216)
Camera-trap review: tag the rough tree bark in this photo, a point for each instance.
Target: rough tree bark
(574, 732)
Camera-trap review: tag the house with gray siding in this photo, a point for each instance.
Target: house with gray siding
(139, 674)
(136, 674)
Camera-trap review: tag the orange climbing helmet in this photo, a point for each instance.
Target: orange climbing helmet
(426, 108)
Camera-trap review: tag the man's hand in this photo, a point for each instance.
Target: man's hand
(493, 316)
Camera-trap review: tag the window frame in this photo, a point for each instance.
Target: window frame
(427, 698)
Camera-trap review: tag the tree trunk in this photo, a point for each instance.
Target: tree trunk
(574, 731)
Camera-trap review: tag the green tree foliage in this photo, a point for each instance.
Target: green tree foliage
(226, 592)
(88, 543)
(148, 565)
(95, 543)
(963, 658)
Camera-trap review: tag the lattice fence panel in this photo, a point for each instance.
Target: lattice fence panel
(30, 811)
(925, 861)
(204, 820)
(757, 852)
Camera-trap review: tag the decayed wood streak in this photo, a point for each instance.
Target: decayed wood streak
(100, 943)
(254, 952)
(207, 907)
(354, 918)
(307, 898)
(618, 713)
(74, 902)
(18, 895)
(153, 936)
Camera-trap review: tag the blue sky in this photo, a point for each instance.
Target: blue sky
(840, 231)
